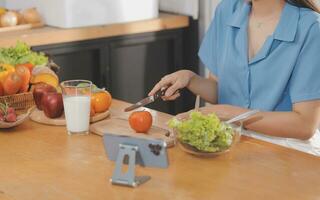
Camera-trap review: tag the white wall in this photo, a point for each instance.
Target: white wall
(2, 3)
(206, 13)
(17, 4)
(184, 7)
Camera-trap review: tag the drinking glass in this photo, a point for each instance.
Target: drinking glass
(76, 101)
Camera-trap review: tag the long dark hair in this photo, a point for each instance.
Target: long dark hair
(305, 3)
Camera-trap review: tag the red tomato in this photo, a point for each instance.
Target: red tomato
(140, 121)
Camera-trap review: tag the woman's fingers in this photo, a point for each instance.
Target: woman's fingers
(156, 88)
(165, 81)
(172, 89)
(171, 98)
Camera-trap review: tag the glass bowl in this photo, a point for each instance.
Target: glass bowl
(196, 152)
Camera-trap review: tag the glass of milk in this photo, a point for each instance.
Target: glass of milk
(76, 101)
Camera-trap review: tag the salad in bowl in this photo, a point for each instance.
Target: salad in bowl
(204, 135)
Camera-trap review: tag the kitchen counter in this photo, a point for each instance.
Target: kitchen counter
(51, 35)
(43, 162)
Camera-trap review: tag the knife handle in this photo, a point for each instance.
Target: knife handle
(160, 93)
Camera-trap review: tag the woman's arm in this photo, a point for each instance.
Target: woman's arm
(205, 87)
(301, 123)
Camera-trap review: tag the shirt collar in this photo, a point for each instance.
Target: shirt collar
(288, 24)
(286, 29)
(240, 16)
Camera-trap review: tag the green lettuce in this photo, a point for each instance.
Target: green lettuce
(21, 54)
(204, 132)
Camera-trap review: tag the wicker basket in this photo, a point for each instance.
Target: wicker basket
(20, 102)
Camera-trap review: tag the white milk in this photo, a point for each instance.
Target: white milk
(77, 112)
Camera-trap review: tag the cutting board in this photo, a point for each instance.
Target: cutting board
(120, 126)
(21, 27)
(39, 116)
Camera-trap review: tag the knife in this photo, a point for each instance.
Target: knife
(147, 100)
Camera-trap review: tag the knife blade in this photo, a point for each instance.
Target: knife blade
(147, 100)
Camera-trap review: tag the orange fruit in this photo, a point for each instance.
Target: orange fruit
(12, 84)
(140, 121)
(101, 101)
(27, 65)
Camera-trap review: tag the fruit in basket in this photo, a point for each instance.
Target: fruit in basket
(43, 70)
(12, 84)
(45, 78)
(44, 75)
(140, 121)
(39, 90)
(24, 88)
(9, 18)
(5, 70)
(52, 104)
(1, 90)
(7, 114)
(25, 75)
(101, 101)
(27, 65)
(11, 117)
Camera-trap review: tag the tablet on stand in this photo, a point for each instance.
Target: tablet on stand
(134, 151)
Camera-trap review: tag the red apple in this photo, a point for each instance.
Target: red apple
(39, 90)
(52, 104)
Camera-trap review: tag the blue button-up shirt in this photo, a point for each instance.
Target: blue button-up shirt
(285, 71)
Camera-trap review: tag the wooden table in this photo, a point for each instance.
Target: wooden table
(42, 163)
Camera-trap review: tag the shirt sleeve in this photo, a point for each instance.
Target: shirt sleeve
(208, 48)
(305, 80)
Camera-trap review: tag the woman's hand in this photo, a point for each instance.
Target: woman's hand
(174, 82)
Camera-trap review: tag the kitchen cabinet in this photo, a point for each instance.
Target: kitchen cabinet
(78, 60)
(129, 66)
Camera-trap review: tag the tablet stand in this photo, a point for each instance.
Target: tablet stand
(128, 178)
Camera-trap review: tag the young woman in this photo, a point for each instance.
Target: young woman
(262, 54)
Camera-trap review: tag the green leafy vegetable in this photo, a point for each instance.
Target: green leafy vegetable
(204, 132)
(21, 54)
